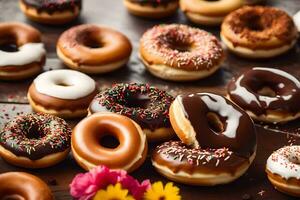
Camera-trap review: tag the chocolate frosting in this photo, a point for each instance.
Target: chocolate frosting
(36, 135)
(51, 6)
(238, 132)
(243, 90)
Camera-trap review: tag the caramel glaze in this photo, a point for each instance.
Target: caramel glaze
(20, 185)
(88, 133)
(243, 143)
(50, 102)
(51, 6)
(254, 80)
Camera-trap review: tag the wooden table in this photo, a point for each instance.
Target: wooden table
(253, 185)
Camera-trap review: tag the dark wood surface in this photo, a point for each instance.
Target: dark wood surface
(253, 185)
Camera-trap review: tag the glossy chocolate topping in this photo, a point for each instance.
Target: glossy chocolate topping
(146, 105)
(235, 130)
(36, 135)
(262, 89)
(51, 6)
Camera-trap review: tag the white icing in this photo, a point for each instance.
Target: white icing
(26, 54)
(219, 105)
(285, 162)
(297, 20)
(78, 84)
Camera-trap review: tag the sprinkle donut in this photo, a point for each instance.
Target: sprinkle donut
(21, 185)
(218, 141)
(283, 167)
(129, 152)
(148, 106)
(267, 94)
(180, 53)
(258, 32)
(35, 141)
(21, 51)
(64, 93)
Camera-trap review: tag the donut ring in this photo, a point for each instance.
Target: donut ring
(88, 152)
(21, 185)
(180, 53)
(51, 12)
(21, 146)
(64, 93)
(93, 49)
(148, 106)
(283, 168)
(152, 9)
(21, 51)
(267, 94)
(258, 32)
(208, 12)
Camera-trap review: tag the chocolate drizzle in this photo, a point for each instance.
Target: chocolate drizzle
(238, 133)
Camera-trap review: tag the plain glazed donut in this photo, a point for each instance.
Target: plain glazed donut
(35, 141)
(89, 150)
(258, 32)
(180, 53)
(21, 185)
(64, 93)
(266, 94)
(51, 12)
(283, 167)
(207, 12)
(21, 51)
(211, 123)
(148, 106)
(153, 9)
(93, 49)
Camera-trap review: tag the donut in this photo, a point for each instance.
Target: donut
(21, 51)
(253, 2)
(218, 141)
(258, 32)
(21, 185)
(109, 139)
(208, 12)
(146, 105)
(54, 12)
(64, 93)
(93, 49)
(180, 53)
(296, 18)
(152, 9)
(267, 94)
(283, 168)
(35, 141)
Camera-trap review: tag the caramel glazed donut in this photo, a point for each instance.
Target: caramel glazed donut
(218, 141)
(258, 32)
(64, 93)
(128, 153)
(180, 53)
(148, 106)
(151, 8)
(93, 49)
(208, 12)
(283, 167)
(51, 11)
(21, 51)
(21, 185)
(35, 141)
(267, 94)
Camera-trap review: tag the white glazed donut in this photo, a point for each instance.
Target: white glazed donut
(297, 20)
(65, 93)
(283, 169)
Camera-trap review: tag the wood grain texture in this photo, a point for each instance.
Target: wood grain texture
(13, 99)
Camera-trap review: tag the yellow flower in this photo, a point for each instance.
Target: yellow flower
(158, 192)
(113, 192)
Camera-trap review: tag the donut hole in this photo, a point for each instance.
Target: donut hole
(180, 46)
(137, 101)
(266, 91)
(214, 122)
(109, 141)
(92, 43)
(34, 132)
(9, 44)
(294, 159)
(254, 22)
(63, 84)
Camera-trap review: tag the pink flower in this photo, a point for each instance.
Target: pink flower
(135, 188)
